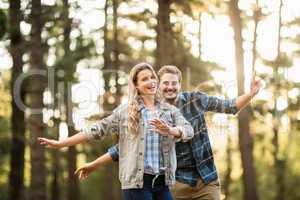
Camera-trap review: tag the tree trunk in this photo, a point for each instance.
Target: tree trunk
(55, 185)
(73, 185)
(110, 172)
(257, 14)
(36, 125)
(200, 36)
(280, 163)
(164, 52)
(245, 139)
(16, 176)
(116, 52)
(227, 178)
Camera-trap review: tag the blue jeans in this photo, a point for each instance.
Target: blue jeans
(153, 189)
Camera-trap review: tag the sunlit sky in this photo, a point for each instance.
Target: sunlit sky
(217, 44)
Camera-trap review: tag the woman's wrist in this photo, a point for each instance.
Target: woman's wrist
(175, 132)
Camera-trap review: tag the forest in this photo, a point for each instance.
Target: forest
(65, 64)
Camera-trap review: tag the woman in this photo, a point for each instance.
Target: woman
(147, 130)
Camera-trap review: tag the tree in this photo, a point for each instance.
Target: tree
(16, 177)
(2, 24)
(245, 139)
(35, 90)
(164, 52)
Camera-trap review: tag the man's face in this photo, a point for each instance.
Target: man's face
(169, 86)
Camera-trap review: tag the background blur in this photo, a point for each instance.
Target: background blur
(65, 63)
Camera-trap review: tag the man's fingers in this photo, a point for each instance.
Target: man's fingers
(78, 170)
(254, 74)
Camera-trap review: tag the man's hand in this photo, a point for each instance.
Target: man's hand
(255, 85)
(50, 143)
(84, 171)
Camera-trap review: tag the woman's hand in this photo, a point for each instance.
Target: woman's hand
(84, 171)
(160, 126)
(49, 143)
(164, 129)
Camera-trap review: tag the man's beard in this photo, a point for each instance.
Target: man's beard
(170, 98)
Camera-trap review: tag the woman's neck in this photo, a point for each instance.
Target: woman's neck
(149, 101)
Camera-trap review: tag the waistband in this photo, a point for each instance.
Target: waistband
(154, 180)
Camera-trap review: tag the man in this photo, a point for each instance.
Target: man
(196, 175)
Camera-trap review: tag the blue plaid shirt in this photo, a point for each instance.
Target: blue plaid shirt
(153, 162)
(195, 158)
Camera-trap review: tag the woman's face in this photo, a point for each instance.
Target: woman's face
(146, 83)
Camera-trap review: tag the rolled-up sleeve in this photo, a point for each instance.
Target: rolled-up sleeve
(113, 151)
(187, 131)
(98, 130)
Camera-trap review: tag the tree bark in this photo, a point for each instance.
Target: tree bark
(227, 178)
(36, 125)
(245, 139)
(16, 176)
(73, 185)
(257, 14)
(280, 163)
(56, 169)
(116, 51)
(164, 52)
(200, 36)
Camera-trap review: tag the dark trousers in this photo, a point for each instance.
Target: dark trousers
(154, 188)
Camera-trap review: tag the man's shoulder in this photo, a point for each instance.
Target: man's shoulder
(167, 106)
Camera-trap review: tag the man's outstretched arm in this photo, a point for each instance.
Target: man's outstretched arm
(113, 151)
(88, 168)
(230, 106)
(245, 99)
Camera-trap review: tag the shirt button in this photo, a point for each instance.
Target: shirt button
(141, 153)
(140, 169)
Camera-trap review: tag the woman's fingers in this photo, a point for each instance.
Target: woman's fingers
(42, 140)
(158, 122)
(45, 141)
(160, 126)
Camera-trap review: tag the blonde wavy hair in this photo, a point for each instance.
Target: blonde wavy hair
(134, 97)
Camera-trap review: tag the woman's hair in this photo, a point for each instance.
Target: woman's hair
(134, 97)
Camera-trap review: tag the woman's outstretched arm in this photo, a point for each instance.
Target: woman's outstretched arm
(98, 130)
(70, 141)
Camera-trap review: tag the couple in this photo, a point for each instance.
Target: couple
(146, 148)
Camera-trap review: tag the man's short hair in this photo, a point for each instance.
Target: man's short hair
(169, 69)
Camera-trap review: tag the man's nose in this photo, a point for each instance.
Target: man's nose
(169, 87)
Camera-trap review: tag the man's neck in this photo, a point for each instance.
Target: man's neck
(172, 101)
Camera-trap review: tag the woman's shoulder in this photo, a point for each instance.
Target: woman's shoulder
(121, 108)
